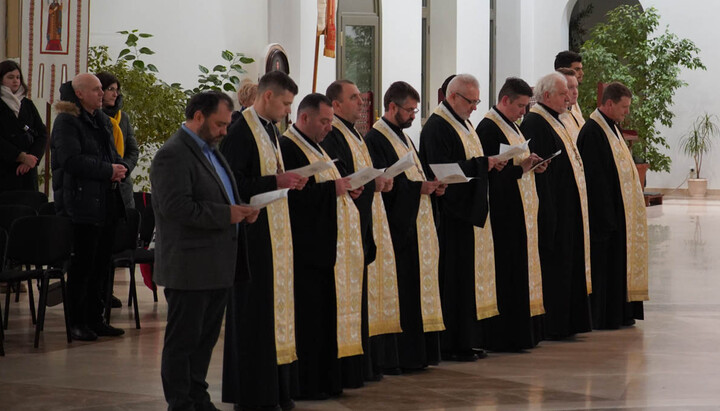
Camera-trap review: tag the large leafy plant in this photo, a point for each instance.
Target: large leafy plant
(630, 49)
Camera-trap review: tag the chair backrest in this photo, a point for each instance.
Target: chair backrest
(143, 203)
(47, 209)
(30, 198)
(40, 240)
(10, 213)
(126, 231)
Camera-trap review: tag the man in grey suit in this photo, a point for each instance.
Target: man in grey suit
(195, 200)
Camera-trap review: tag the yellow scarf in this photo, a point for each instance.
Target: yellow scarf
(117, 133)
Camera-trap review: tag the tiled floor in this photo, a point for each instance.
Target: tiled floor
(670, 361)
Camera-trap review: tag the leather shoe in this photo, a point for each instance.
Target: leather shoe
(82, 333)
(103, 329)
(115, 302)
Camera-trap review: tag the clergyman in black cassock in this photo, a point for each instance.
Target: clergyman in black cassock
(619, 249)
(412, 226)
(328, 256)
(513, 214)
(562, 216)
(467, 260)
(260, 324)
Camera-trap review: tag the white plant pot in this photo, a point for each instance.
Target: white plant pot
(697, 187)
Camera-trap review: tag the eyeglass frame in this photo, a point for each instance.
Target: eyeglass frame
(471, 102)
(409, 110)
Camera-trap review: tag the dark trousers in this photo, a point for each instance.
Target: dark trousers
(193, 326)
(89, 268)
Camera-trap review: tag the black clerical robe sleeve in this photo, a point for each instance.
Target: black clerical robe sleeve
(313, 214)
(241, 151)
(600, 177)
(439, 143)
(337, 148)
(403, 201)
(491, 137)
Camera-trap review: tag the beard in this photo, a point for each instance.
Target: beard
(400, 123)
(206, 135)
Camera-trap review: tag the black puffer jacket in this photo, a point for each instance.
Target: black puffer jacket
(14, 139)
(82, 156)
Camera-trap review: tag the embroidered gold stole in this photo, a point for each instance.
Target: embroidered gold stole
(528, 194)
(579, 173)
(281, 244)
(349, 260)
(485, 290)
(428, 247)
(635, 213)
(572, 124)
(383, 302)
(577, 113)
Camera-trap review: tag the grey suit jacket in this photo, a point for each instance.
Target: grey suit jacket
(195, 245)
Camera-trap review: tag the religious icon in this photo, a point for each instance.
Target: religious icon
(55, 27)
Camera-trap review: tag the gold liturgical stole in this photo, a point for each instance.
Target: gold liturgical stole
(572, 123)
(281, 243)
(529, 197)
(485, 291)
(349, 260)
(635, 213)
(428, 247)
(577, 113)
(383, 302)
(579, 173)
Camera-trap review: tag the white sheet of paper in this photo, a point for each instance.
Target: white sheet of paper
(362, 177)
(312, 169)
(450, 173)
(264, 199)
(401, 165)
(555, 154)
(507, 152)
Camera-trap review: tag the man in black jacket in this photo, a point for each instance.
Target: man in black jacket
(86, 171)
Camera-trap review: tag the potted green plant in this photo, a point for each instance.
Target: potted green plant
(696, 143)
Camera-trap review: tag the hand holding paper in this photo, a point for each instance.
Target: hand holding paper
(401, 165)
(362, 177)
(259, 201)
(507, 152)
(312, 169)
(450, 173)
(555, 154)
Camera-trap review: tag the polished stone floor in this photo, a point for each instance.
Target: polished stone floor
(670, 361)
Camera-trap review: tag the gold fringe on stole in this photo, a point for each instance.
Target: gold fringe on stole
(281, 243)
(579, 173)
(428, 247)
(635, 213)
(349, 260)
(383, 300)
(528, 194)
(485, 290)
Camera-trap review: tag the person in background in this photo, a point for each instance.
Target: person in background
(22, 133)
(246, 95)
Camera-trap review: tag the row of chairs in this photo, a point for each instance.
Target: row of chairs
(133, 236)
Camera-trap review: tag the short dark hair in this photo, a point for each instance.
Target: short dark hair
(107, 80)
(615, 91)
(312, 102)
(566, 71)
(207, 103)
(8, 66)
(515, 87)
(335, 89)
(567, 58)
(277, 81)
(398, 92)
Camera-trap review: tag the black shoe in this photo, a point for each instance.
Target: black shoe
(480, 353)
(461, 356)
(115, 302)
(102, 329)
(82, 333)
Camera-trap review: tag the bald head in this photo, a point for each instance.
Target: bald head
(88, 90)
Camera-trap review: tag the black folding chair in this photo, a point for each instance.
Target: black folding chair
(124, 245)
(143, 255)
(39, 241)
(30, 198)
(8, 214)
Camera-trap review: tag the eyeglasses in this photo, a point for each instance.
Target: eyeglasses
(471, 102)
(409, 110)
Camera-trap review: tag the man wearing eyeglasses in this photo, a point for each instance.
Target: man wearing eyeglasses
(467, 262)
(563, 228)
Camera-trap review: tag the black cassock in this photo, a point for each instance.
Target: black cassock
(358, 368)
(313, 217)
(610, 308)
(458, 211)
(513, 329)
(251, 376)
(413, 348)
(560, 234)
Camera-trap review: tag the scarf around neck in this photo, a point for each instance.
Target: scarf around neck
(13, 100)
